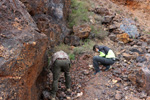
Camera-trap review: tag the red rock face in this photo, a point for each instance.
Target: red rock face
(22, 50)
(135, 4)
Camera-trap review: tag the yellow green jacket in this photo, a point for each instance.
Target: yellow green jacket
(106, 52)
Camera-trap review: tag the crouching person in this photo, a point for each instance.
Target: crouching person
(60, 62)
(106, 57)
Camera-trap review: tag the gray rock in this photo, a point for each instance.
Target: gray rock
(46, 95)
(128, 26)
(107, 19)
(141, 59)
(118, 96)
(72, 40)
(113, 37)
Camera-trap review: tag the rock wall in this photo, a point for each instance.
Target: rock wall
(50, 16)
(22, 52)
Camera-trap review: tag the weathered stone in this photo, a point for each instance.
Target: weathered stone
(128, 56)
(123, 37)
(72, 40)
(50, 16)
(55, 8)
(22, 53)
(140, 77)
(92, 20)
(107, 19)
(139, 51)
(54, 30)
(118, 96)
(114, 26)
(113, 37)
(46, 95)
(128, 26)
(141, 59)
(139, 64)
(102, 11)
(86, 72)
(82, 31)
(143, 95)
(135, 98)
(144, 44)
(117, 31)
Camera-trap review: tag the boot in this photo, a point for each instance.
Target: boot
(107, 68)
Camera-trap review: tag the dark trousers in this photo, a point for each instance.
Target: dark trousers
(104, 61)
(58, 67)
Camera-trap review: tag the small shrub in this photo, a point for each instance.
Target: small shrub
(78, 50)
(72, 56)
(63, 47)
(86, 47)
(94, 30)
(118, 11)
(148, 33)
(99, 32)
(49, 59)
(79, 13)
(103, 34)
(135, 19)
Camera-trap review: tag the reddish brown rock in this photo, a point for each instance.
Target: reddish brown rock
(123, 37)
(128, 56)
(102, 11)
(140, 77)
(82, 31)
(22, 52)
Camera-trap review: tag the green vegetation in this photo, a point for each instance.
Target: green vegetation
(135, 19)
(79, 13)
(72, 56)
(63, 47)
(99, 32)
(86, 47)
(148, 32)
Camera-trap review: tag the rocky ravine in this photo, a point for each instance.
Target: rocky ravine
(23, 45)
(129, 78)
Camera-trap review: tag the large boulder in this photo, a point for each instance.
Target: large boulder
(22, 52)
(140, 75)
(82, 31)
(50, 16)
(128, 26)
